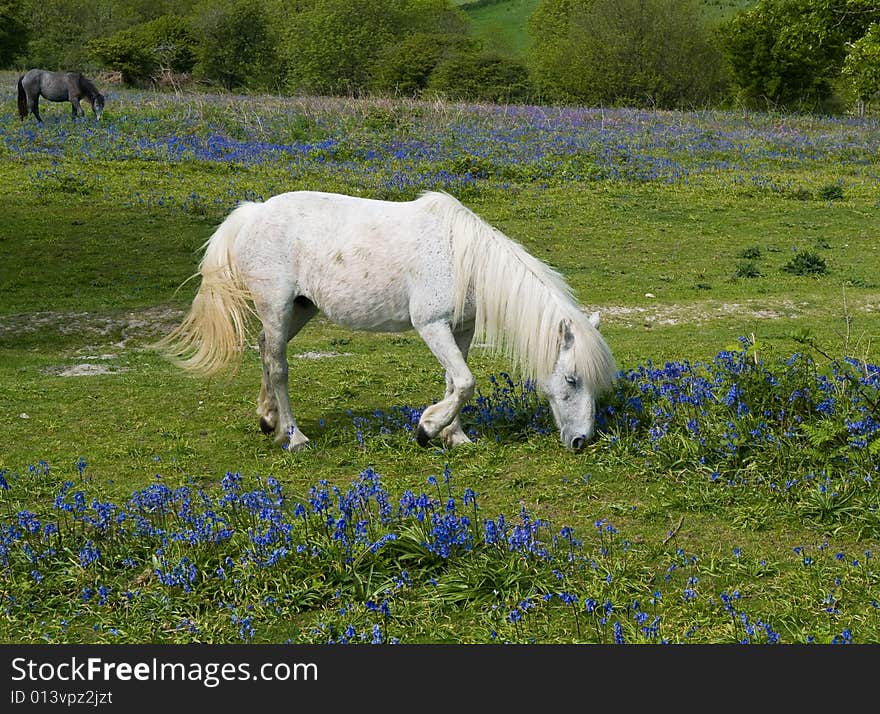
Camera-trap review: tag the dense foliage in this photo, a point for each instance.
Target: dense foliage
(788, 53)
(784, 54)
(861, 67)
(629, 52)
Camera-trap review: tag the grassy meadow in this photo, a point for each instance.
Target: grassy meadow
(730, 495)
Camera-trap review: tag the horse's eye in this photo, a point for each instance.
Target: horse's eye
(572, 381)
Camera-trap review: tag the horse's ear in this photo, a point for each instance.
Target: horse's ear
(594, 319)
(565, 334)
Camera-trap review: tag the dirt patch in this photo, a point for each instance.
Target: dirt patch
(322, 355)
(84, 370)
(698, 313)
(102, 330)
(116, 328)
(107, 330)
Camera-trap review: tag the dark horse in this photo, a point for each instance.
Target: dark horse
(56, 87)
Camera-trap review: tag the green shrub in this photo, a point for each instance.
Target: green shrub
(125, 52)
(172, 42)
(831, 192)
(350, 46)
(787, 53)
(483, 77)
(861, 68)
(805, 262)
(13, 31)
(747, 269)
(235, 47)
(624, 52)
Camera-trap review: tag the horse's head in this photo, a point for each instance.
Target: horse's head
(98, 105)
(572, 399)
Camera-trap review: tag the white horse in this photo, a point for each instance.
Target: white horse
(429, 264)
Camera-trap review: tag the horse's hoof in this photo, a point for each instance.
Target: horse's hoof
(296, 440)
(422, 437)
(266, 427)
(456, 439)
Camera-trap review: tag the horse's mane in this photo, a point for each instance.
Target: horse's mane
(88, 86)
(520, 301)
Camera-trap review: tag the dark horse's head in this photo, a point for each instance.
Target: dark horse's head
(92, 95)
(98, 104)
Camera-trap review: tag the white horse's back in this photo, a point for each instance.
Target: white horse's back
(360, 261)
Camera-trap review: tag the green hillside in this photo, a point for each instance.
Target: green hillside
(502, 25)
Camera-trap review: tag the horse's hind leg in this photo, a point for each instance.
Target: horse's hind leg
(273, 403)
(453, 435)
(34, 107)
(460, 383)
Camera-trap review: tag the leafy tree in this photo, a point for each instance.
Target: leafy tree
(349, 46)
(236, 46)
(140, 52)
(66, 27)
(642, 52)
(405, 67)
(13, 31)
(787, 53)
(861, 67)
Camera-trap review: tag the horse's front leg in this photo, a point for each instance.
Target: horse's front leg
(453, 435)
(459, 386)
(76, 109)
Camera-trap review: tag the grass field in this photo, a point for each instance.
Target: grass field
(731, 495)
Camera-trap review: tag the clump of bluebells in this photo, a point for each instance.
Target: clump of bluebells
(783, 428)
(509, 410)
(189, 542)
(812, 432)
(245, 560)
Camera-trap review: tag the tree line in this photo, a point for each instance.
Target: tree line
(804, 55)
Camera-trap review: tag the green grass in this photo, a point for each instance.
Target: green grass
(102, 224)
(503, 25)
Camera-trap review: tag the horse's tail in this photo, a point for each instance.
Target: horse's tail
(22, 100)
(213, 333)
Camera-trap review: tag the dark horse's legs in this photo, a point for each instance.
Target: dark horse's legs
(34, 107)
(73, 96)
